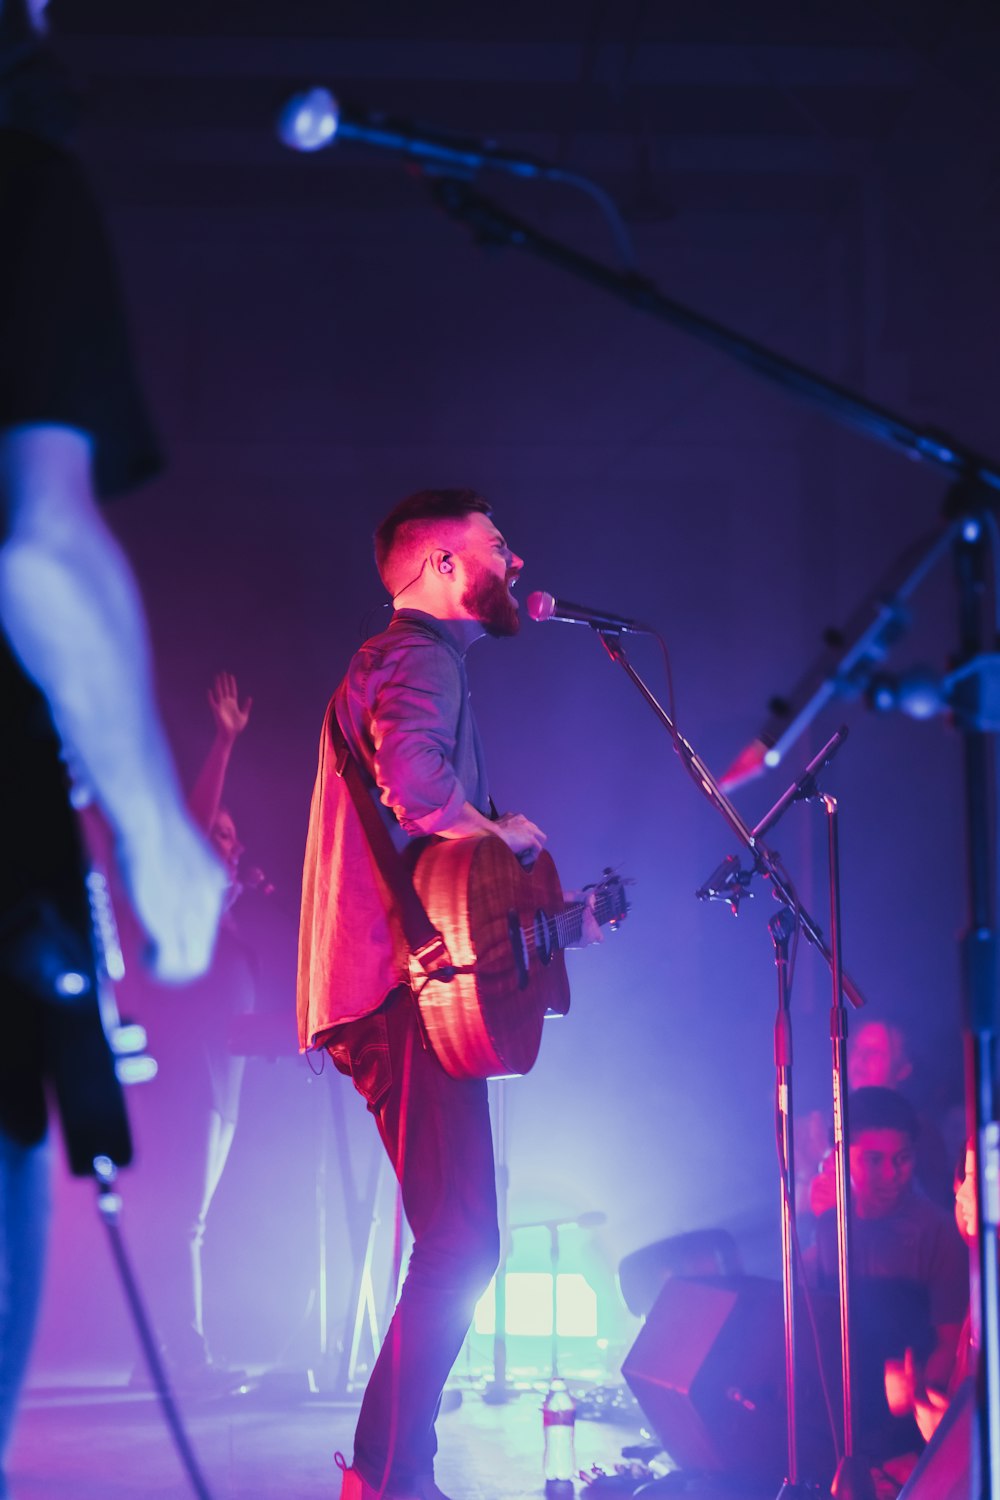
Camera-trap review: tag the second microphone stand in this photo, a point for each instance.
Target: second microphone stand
(730, 883)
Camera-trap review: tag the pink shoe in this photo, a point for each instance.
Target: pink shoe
(354, 1487)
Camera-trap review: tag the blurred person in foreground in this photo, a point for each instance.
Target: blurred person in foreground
(75, 679)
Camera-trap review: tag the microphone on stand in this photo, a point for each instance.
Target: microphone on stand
(542, 606)
(589, 1220)
(313, 120)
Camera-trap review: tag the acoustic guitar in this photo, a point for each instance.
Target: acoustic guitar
(505, 928)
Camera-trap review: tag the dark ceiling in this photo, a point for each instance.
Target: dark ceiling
(645, 74)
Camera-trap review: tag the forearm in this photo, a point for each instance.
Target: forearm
(205, 798)
(70, 608)
(522, 837)
(469, 821)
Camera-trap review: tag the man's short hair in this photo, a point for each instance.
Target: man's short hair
(425, 505)
(881, 1109)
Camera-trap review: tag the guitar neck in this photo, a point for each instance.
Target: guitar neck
(566, 927)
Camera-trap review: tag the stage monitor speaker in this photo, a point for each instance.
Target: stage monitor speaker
(708, 1369)
(698, 1252)
(947, 1465)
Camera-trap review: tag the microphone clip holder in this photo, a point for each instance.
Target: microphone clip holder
(729, 883)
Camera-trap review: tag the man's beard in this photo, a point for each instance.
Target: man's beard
(487, 599)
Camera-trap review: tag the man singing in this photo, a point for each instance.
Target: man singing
(404, 710)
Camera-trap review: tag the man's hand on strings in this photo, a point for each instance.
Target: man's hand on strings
(591, 930)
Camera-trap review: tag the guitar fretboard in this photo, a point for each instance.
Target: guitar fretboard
(565, 928)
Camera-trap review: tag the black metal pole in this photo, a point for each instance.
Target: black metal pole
(765, 862)
(497, 1390)
(781, 927)
(979, 975)
(853, 1476)
(493, 225)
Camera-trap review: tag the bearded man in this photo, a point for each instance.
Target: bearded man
(404, 710)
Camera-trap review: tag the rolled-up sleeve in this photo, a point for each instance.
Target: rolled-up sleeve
(415, 698)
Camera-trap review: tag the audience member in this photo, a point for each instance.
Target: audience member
(877, 1057)
(186, 1120)
(909, 1386)
(909, 1267)
(229, 989)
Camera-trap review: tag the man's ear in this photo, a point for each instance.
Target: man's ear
(442, 562)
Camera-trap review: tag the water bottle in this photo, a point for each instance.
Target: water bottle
(558, 1421)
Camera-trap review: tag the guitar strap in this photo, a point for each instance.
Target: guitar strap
(425, 943)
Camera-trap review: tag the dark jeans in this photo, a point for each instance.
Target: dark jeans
(436, 1130)
(24, 1217)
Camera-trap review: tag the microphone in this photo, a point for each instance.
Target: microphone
(313, 120)
(542, 606)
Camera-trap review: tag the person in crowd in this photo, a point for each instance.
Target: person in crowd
(910, 1387)
(228, 990)
(909, 1267)
(877, 1057)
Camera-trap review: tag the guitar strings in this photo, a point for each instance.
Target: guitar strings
(565, 926)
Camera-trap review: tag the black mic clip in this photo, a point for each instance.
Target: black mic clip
(807, 790)
(729, 882)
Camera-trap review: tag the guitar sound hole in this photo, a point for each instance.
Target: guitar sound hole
(543, 937)
(519, 948)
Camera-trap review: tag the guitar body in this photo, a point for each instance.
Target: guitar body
(488, 1023)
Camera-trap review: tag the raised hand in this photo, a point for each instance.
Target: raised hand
(230, 715)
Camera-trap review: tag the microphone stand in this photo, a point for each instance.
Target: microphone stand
(853, 1478)
(587, 1220)
(972, 503)
(765, 863)
(492, 225)
(497, 1391)
(781, 927)
(729, 882)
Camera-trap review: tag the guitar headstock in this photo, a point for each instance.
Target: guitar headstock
(611, 904)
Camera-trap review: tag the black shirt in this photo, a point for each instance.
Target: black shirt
(64, 347)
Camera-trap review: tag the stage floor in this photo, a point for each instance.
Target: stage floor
(111, 1443)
